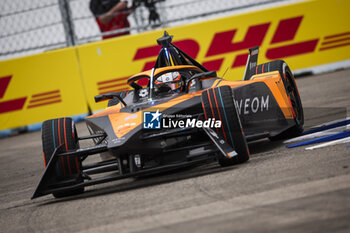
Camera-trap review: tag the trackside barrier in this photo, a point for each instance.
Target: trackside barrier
(35, 127)
(304, 34)
(40, 87)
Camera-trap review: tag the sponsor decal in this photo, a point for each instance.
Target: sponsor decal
(222, 44)
(133, 116)
(113, 85)
(44, 98)
(9, 105)
(137, 159)
(118, 140)
(143, 93)
(253, 105)
(280, 38)
(335, 41)
(36, 100)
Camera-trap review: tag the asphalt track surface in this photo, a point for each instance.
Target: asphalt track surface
(278, 190)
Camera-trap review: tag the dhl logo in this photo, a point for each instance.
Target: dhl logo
(282, 45)
(9, 105)
(112, 85)
(35, 100)
(222, 44)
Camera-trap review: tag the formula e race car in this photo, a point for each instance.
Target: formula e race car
(185, 115)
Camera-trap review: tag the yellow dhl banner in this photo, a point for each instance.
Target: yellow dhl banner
(304, 34)
(62, 82)
(40, 87)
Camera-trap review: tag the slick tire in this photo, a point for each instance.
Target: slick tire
(218, 103)
(292, 92)
(55, 133)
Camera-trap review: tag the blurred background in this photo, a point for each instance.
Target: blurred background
(29, 27)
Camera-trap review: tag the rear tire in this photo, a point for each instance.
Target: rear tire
(218, 103)
(55, 133)
(292, 92)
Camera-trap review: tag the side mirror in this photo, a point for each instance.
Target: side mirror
(198, 77)
(109, 96)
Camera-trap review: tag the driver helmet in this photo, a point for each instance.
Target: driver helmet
(169, 82)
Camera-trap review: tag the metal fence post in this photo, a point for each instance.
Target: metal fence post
(67, 22)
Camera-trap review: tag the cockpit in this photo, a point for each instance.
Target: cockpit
(165, 81)
(174, 73)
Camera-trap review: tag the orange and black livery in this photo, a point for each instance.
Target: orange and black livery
(185, 115)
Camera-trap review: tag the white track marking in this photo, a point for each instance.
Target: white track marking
(331, 143)
(319, 134)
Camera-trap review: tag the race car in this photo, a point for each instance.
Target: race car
(184, 115)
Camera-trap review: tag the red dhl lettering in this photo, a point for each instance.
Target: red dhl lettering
(282, 45)
(36, 100)
(9, 105)
(222, 41)
(222, 44)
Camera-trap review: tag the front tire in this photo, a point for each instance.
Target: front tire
(55, 133)
(218, 103)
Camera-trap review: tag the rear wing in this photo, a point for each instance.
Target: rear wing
(252, 61)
